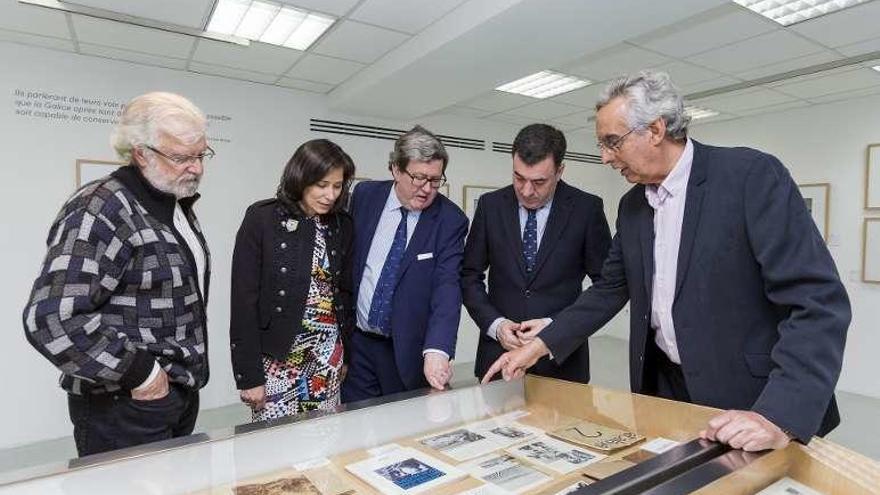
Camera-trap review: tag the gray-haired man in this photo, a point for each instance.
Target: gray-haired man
(119, 304)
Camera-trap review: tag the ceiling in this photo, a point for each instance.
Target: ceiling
(406, 59)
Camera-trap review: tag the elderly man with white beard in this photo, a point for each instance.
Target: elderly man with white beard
(119, 303)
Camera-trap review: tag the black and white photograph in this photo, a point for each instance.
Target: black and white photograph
(554, 454)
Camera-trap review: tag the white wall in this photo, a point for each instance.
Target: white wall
(267, 124)
(827, 143)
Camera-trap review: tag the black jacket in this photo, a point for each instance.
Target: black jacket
(271, 273)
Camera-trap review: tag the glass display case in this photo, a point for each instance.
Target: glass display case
(338, 452)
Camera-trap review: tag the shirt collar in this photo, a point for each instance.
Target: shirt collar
(546, 205)
(676, 182)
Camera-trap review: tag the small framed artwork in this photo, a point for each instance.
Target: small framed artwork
(872, 177)
(444, 189)
(89, 170)
(871, 250)
(818, 198)
(470, 195)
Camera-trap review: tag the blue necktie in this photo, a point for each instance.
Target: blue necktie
(380, 307)
(530, 240)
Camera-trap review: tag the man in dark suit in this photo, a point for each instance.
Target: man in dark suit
(408, 247)
(735, 300)
(538, 237)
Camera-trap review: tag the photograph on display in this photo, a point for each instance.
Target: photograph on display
(816, 199)
(573, 488)
(596, 436)
(404, 470)
(506, 472)
(460, 444)
(554, 454)
(294, 485)
(90, 170)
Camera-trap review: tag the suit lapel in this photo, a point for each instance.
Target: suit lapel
(420, 237)
(693, 207)
(646, 237)
(556, 222)
(510, 218)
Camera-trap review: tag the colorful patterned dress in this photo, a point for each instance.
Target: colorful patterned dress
(308, 379)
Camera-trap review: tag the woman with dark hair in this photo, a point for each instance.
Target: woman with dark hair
(291, 312)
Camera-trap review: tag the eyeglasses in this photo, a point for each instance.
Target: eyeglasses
(614, 144)
(181, 160)
(419, 180)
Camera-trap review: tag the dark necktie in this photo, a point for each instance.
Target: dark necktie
(530, 240)
(380, 306)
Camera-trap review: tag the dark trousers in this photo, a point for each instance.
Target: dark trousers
(112, 421)
(372, 371)
(663, 378)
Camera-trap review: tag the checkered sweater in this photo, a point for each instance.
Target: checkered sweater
(118, 291)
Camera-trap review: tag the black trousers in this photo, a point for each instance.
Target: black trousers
(105, 422)
(663, 378)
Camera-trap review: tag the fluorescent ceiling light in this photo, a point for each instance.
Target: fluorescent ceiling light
(788, 12)
(699, 112)
(268, 22)
(876, 67)
(544, 84)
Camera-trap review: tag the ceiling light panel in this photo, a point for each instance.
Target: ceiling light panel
(699, 112)
(788, 12)
(876, 67)
(268, 22)
(544, 84)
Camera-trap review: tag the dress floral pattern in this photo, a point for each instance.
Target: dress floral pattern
(308, 378)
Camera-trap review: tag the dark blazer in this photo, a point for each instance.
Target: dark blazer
(271, 274)
(427, 300)
(760, 313)
(574, 245)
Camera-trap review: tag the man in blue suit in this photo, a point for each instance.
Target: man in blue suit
(409, 242)
(735, 300)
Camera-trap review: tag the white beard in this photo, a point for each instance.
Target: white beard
(182, 188)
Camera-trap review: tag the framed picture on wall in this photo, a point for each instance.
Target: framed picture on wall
(818, 197)
(872, 177)
(871, 250)
(356, 180)
(89, 170)
(444, 190)
(470, 195)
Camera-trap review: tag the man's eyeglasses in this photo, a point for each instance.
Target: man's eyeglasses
(181, 160)
(419, 180)
(614, 144)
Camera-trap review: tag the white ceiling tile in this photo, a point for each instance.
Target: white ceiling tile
(31, 19)
(739, 101)
(460, 111)
(129, 56)
(359, 42)
(843, 27)
(860, 48)
(512, 119)
(770, 48)
(35, 40)
(322, 69)
(190, 13)
(706, 85)
(683, 73)
(619, 60)
(847, 95)
(789, 65)
(584, 97)
(258, 57)
(712, 29)
(774, 108)
(574, 120)
(219, 70)
(837, 82)
(545, 109)
(410, 16)
(498, 101)
(312, 87)
(709, 120)
(129, 37)
(335, 7)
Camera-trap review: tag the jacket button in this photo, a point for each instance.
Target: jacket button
(283, 245)
(238, 376)
(232, 345)
(281, 293)
(332, 252)
(283, 269)
(277, 309)
(528, 293)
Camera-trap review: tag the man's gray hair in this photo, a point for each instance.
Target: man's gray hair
(417, 144)
(649, 95)
(147, 116)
